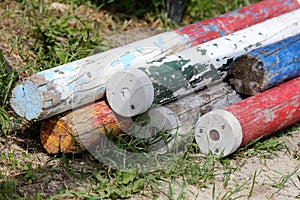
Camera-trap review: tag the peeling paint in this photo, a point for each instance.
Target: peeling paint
(237, 20)
(149, 49)
(267, 66)
(269, 111)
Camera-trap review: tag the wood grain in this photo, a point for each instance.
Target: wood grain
(266, 67)
(223, 131)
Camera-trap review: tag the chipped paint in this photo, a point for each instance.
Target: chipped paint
(98, 120)
(267, 67)
(159, 43)
(139, 53)
(139, 48)
(252, 118)
(125, 60)
(269, 111)
(236, 20)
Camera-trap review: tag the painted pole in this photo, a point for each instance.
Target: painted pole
(85, 128)
(242, 18)
(133, 91)
(62, 88)
(177, 119)
(181, 115)
(223, 131)
(70, 132)
(266, 67)
(189, 108)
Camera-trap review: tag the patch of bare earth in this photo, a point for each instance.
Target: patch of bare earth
(275, 178)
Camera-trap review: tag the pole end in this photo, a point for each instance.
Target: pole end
(218, 132)
(130, 92)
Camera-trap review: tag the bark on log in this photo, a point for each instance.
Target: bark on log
(62, 88)
(133, 91)
(64, 134)
(223, 131)
(266, 67)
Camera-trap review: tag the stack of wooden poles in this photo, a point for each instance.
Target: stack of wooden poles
(223, 81)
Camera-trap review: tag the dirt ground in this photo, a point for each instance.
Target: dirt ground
(275, 168)
(20, 148)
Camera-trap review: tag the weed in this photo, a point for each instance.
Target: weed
(265, 147)
(238, 188)
(57, 42)
(280, 184)
(4, 121)
(120, 185)
(252, 185)
(8, 190)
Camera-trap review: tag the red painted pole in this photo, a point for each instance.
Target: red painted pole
(263, 114)
(222, 25)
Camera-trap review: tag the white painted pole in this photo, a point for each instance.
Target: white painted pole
(180, 117)
(190, 70)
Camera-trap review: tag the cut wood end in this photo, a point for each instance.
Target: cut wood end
(27, 101)
(247, 74)
(56, 137)
(218, 132)
(130, 92)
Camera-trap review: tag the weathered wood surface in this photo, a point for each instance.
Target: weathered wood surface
(71, 132)
(62, 88)
(179, 117)
(84, 128)
(189, 108)
(266, 67)
(224, 131)
(228, 22)
(133, 91)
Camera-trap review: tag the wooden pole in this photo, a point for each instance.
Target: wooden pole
(62, 88)
(177, 119)
(241, 18)
(72, 131)
(223, 131)
(189, 108)
(266, 67)
(133, 91)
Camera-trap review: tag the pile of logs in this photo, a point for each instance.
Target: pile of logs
(224, 82)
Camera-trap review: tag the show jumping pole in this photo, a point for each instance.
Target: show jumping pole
(133, 91)
(72, 131)
(223, 131)
(176, 119)
(266, 67)
(62, 88)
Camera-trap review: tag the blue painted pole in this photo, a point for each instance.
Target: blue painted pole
(266, 67)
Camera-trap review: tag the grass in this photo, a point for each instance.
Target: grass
(267, 147)
(284, 178)
(48, 38)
